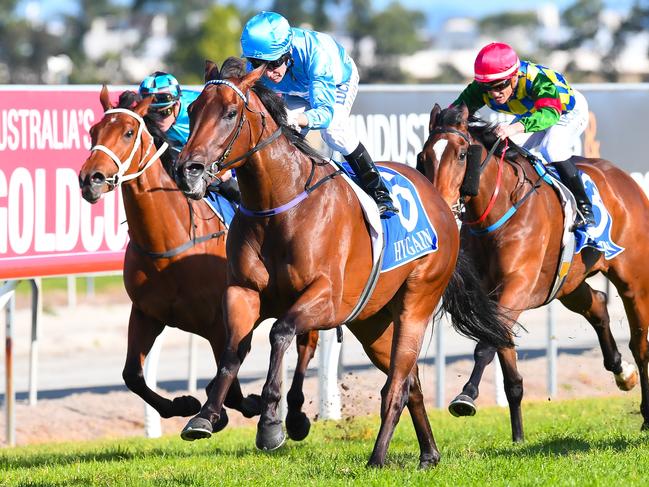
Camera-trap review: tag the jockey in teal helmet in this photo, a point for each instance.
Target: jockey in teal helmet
(171, 103)
(319, 82)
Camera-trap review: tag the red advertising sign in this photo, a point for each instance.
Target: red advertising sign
(46, 228)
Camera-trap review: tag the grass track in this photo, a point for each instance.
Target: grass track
(581, 443)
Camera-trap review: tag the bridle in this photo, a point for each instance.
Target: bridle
(458, 207)
(119, 178)
(123, 167)
(220, 164)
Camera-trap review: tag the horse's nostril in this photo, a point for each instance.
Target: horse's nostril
(194, 170)
(97, 179)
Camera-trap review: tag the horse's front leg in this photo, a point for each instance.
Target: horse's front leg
(241, 307)
(297, 423)
(312, 310)
(142, 333)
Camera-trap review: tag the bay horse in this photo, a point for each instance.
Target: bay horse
(173, 241)
(299, 249)
(518, 257)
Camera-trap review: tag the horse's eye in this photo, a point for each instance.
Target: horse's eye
(129, 134)
(462, 155)
(231, 114)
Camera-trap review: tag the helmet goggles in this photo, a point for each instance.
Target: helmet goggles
(269, 64)
(498, 85)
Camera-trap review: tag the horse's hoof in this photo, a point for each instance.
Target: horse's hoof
(251, 405)
(628, 378)
(462, 405)
(429, 461)
(645, 426)
(185, 406)
(374, 463)
(197, 429)
(220, 423)
(297, 425)
(270, 436)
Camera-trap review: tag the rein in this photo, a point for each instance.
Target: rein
(181, 248)
(219, 165)
(492, 201)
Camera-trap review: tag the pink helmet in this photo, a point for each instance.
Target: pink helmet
(495, 61)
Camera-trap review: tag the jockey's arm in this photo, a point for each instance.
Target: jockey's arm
(547, 105)
(322, 89)
(471, 96)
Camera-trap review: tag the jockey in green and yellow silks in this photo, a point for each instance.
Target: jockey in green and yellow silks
(550, 115)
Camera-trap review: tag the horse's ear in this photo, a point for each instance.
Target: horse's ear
(211, 70)
(104, 98)
(434, 113)
(142, 108)
(465, 112)
(252, 77)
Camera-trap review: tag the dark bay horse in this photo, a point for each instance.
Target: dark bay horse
(299, 249)
(519, 259)
(173, 241)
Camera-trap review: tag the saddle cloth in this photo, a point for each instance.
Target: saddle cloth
(597, 236)
(409, 234)
(223, 207)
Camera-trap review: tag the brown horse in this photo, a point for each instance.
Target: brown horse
(299, 249)
(173, 241)
(518, 260)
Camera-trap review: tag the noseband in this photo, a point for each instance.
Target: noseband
(122, 167)
(220, 165)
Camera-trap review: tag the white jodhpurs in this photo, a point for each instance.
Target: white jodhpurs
(338, 136)
(563, 139)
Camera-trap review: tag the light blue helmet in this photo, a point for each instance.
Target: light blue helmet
(164, 88)
(266, 36)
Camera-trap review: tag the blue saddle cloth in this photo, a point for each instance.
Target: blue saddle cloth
(598, 235)
(409, 234)
(222, 206)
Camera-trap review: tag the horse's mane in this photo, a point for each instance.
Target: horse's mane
(480, 129)
(128, 99)
(234, 67)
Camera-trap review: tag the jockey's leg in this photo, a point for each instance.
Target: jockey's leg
(569, 174)
(370, 178)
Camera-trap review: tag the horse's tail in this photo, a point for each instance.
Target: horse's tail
(473, 314)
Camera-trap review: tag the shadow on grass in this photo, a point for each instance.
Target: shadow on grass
(9, 461)
(569, 445)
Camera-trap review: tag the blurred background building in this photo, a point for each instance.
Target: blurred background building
(408, 41)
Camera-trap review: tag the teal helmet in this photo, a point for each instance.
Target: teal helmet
(164, 88)
(266, 36)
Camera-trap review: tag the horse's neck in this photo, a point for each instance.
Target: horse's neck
(274, 177)
(156, 210)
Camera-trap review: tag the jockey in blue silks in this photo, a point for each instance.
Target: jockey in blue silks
(319, 82)
(171, 102)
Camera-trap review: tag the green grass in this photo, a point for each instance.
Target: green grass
(581, 443)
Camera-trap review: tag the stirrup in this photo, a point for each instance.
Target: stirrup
(586, 217)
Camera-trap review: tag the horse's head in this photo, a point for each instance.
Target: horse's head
(219, 132)
(450, 158)
(118, 148)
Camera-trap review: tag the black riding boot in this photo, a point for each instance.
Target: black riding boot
(370, 179)
(570, 177)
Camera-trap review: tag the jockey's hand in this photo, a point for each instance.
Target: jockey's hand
(504, 131)
(296, 120)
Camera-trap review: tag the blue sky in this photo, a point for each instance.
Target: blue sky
(437, 10)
